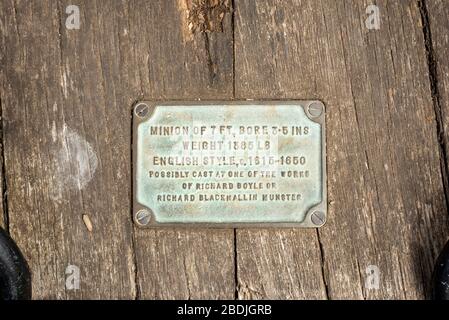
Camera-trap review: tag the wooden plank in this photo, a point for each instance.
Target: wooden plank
(177, 64)
(437, 26)
(3, 209)
(173, 62)
(386, 200)
(67, 149)
(57, 99)
(4, 213)
(66, 99)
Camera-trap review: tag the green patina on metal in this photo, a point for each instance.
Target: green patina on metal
(230, 164)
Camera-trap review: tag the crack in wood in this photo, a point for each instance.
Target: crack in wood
(233, 46)
(433, 79)
(323, 271)
(236, 279)
(3, 173)
(137, 293)
(211, 65)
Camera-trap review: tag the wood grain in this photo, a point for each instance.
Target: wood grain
(3, 207)
(438, 52)
(3, 210)
(66, 99)
(66, 138)
(183, 264)
(386, 200)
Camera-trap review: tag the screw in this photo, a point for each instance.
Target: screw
(141, 110)
(318, 218)
(143, 217)
(316, 109)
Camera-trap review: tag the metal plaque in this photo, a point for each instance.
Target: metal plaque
(229, 164)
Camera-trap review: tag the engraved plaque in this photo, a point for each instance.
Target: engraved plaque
(229, 164)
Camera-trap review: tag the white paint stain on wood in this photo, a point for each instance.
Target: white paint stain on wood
(75, 163)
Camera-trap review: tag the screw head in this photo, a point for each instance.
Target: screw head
(315, 109)
(141, 110)
(143, 217)
(318, 218)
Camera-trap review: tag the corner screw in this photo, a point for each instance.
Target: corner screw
(318, 218)
(141, 110)
(143, 217)
(315, 109)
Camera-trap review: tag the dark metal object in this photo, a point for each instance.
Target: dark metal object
(141, 110)
(441, 276)
(15, 277)
(318, 218)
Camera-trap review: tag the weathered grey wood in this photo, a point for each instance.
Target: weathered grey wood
(177, 264)
(176, 64)
(63, 87)
(66, 98)
(66, 115)
(173, 62)
(438, 55)
(3, 211)
(279, 264)
(386, 199)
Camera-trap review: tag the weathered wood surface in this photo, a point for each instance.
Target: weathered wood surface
(386, 199)
(3, 210)
(66, 99)
(61, 87)
(438, 58)
(67, 148)
(182, 264)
